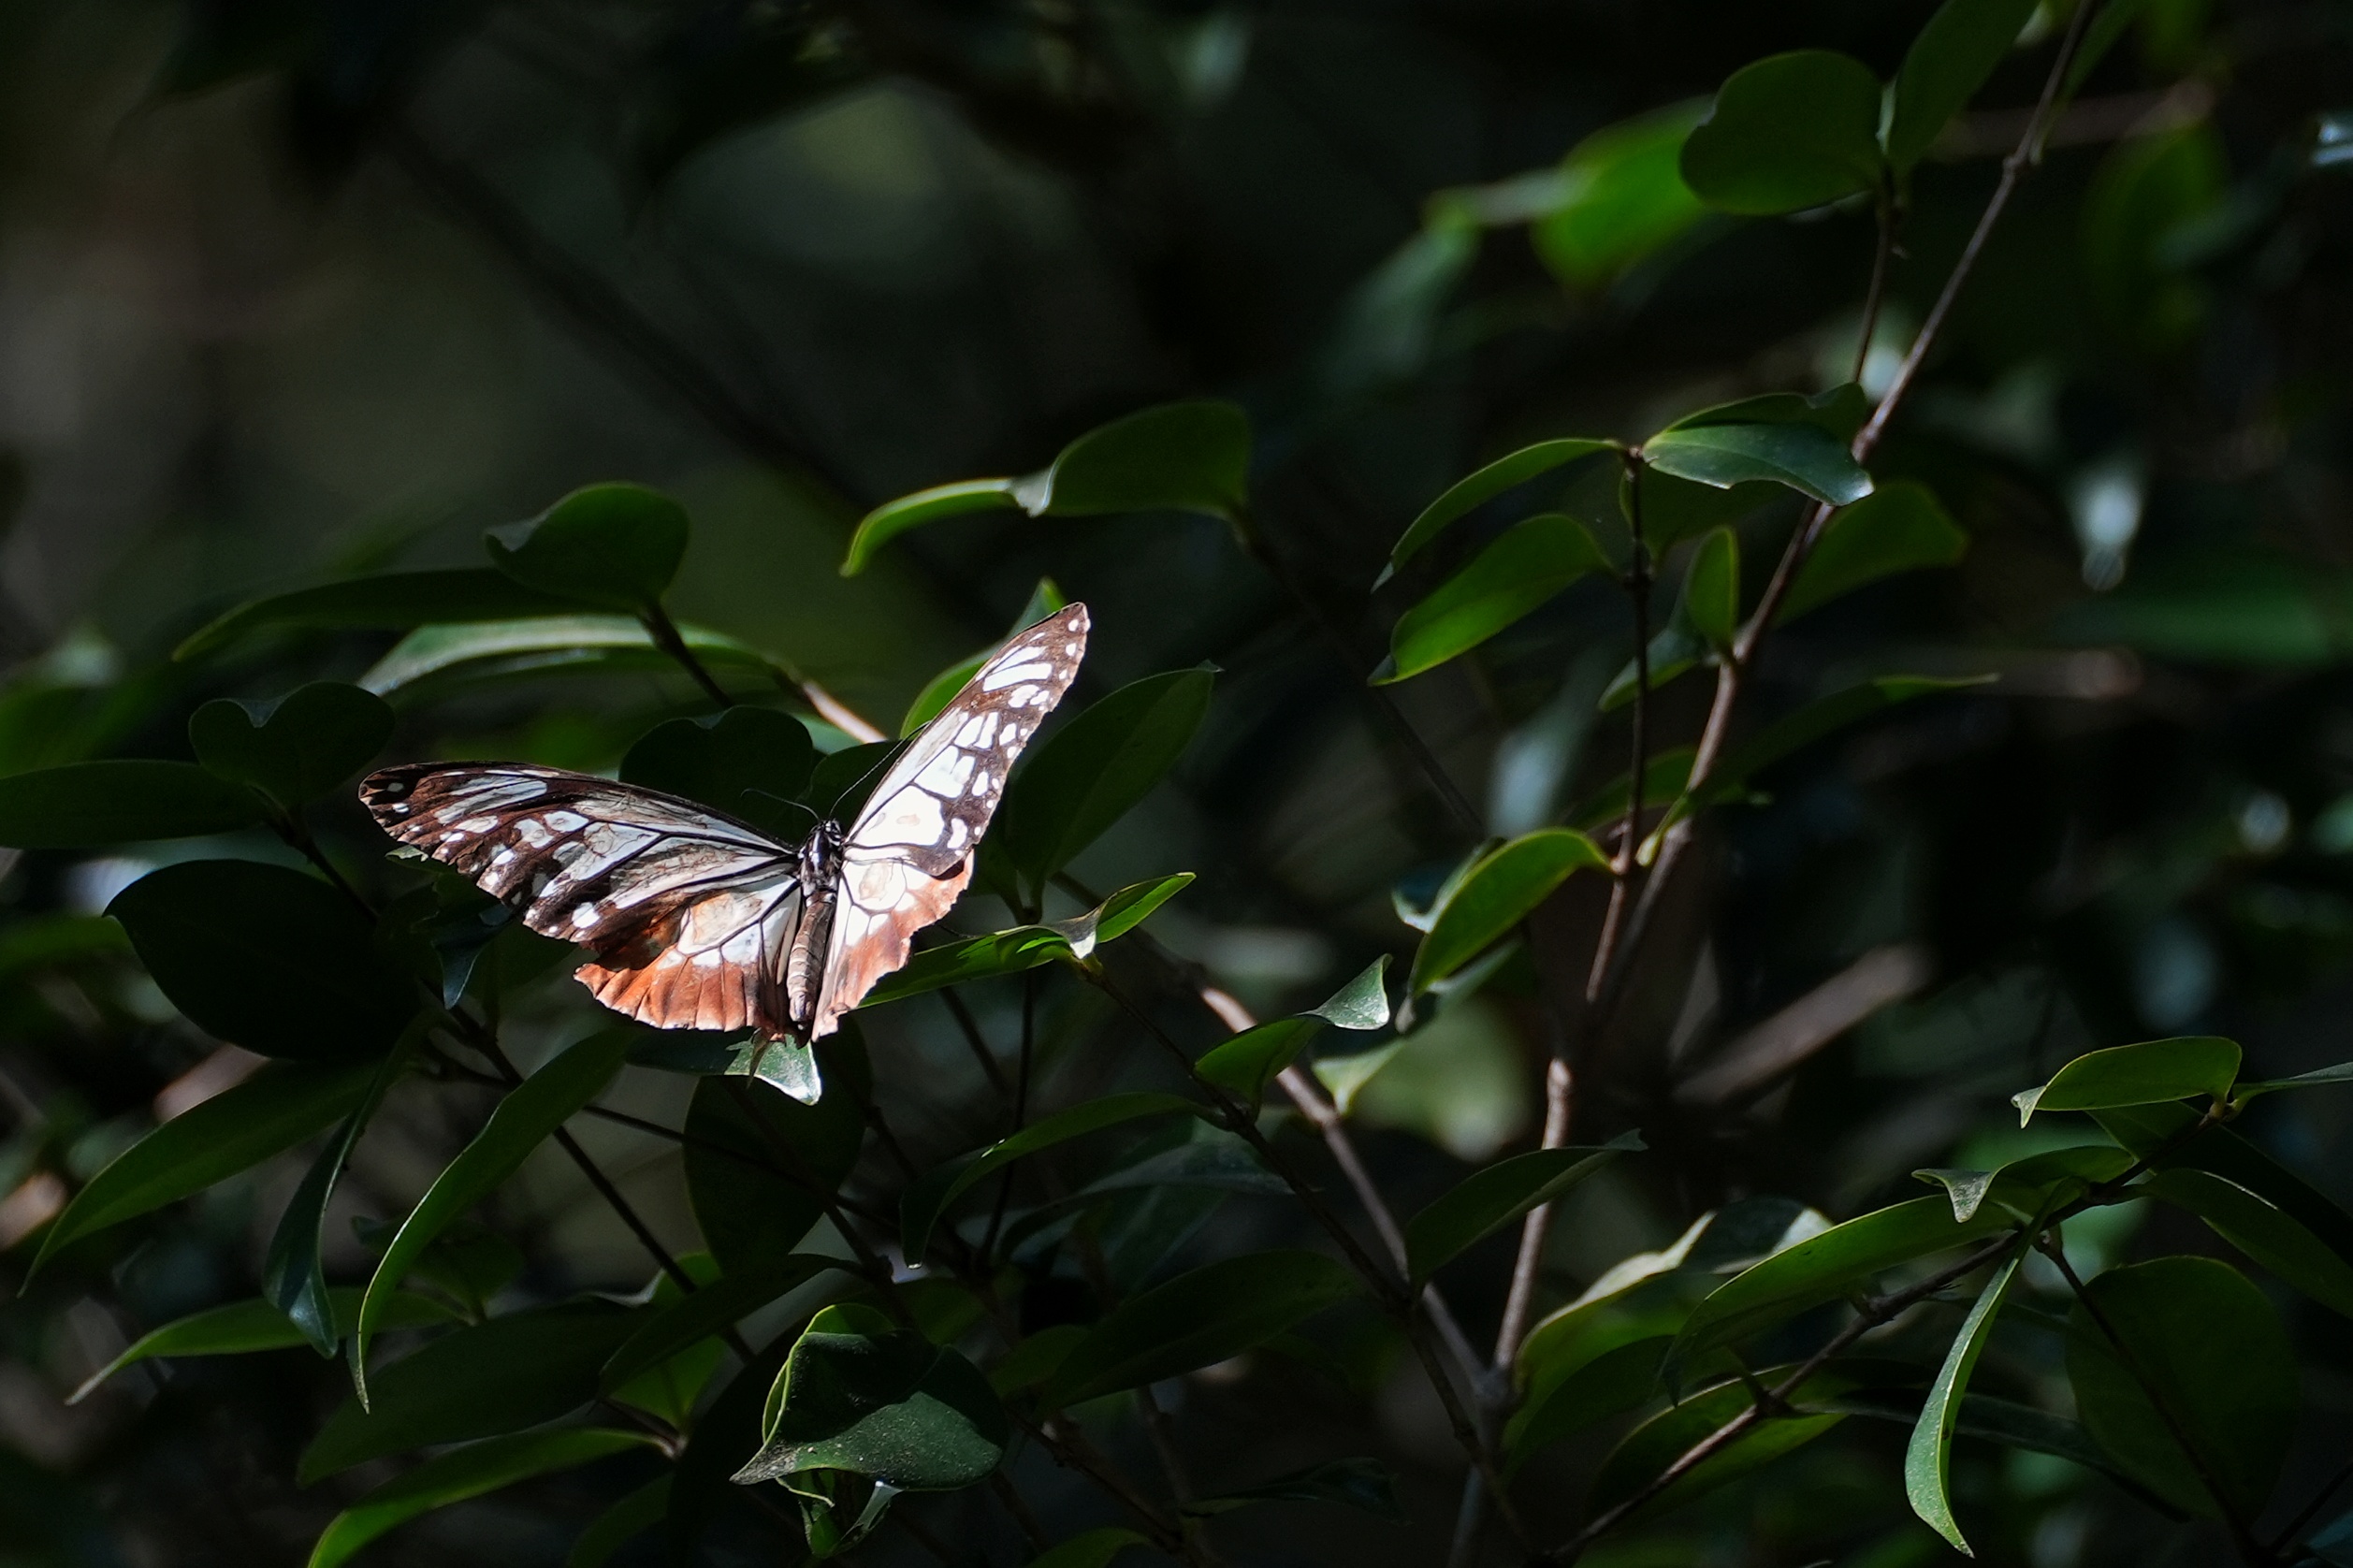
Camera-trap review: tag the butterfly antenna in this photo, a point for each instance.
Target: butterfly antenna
(786, 800)
(881, 763)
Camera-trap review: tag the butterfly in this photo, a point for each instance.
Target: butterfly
(694, 920)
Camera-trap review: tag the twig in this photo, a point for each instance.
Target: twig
(1021, 1107)
(970, 1026)
(667, 637)
(1884, 214)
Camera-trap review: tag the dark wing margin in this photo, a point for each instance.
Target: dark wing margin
(908, 856)
(688, 913)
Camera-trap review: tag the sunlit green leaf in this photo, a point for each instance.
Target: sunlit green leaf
(1510, 579)
(1622, 197)
(1645, 1453)
(1208, 1316)
(1900, 527)
(1788, 132)
(1361, 1004)
(1928, 1456)
(461, 1473)
(1503, 473)
(581, 644)
(2175, 1136)
(1502, 890)
(1487, 1199)
(2148, 1073)
(1027, 947)
(86, 805)
(860, 1396)
(614, 545)
(1802, 457)
(1248, 1062)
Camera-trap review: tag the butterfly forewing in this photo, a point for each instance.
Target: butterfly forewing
(687, 912)
(909, 853)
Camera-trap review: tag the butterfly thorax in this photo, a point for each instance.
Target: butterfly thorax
(804, 961)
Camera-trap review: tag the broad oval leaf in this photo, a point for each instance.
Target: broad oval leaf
(388, 601)
(890, 1405)
(294, 749)
(2149, 1073)
(762, 1166)
(614, 545)
(244, 1327)
(1248, 1062)
(511, 1373)
(465, 1473)
(891, 519)
(1711, 588)
(1094, 769)
(2261, 1229)
(2171, 1137)
(267, 957)
(1466, 495)
(570, 644)
(1928, 1455)
(1512, 577)
(750, 763)
(1610, 1383)
(1094, 1548)
(1802, 457)
(81, 806)
(530, 1113)
(1490, 1198)
(271, 1111)
(2220, 1359)
(1623, 198)
(1199, 1318)
(1900, 527)
(1502, 890)
(929, 1194)
(1946, 64)
(1788, 132)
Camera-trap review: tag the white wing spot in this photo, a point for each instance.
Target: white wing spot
(945, 774)
(1015, 675)
(566, 821)
(532, 830)
(585, 915)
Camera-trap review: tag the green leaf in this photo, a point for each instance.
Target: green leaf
(609, 1532)
(297, 748)
(2149, 1073)
(1361, 1483)
(761, 1166)
(1900, 527)
(750, 763)
(1096, 1548)
(1362, 1004)
(2146, 192)
(1839, 412)
(1501, 888)
(1823, 1268)
(1711, 588)
(1510, 579)
(711, 1310)
(2316, 1078)
(2027, 1186)
(2212, 1348)
(1802, 457)
(1611, 1383)
(576, 644)
(1675, 649)
(1788, 132)
(85, 804)
(1032, 1361)
(1490, 1198)
(1466, 495)
(1250, 1061)
(1928, 1456)
(2171, 1138)
(1664, 777)
(725, 1434)
(1946, 64)
(462, 1473)
(1208, 1316)
(514, 1372)
(1344, 1077)
(1646, 1452)
(614, 545)
(524, 1119)
(267, 957)
(1622, 197)
(929, 1194)
(293, 1275)
(271, 1111)
(1027, 947)
(889, 1405)
(391, 602)
(1182, 456)
(1094, 769)
(2010, 1425)
(2262, 1230)
(242, 1327)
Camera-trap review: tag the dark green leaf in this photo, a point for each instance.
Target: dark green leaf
(620, 1524)
(1247, 1062)
(2148, 189)
(2107, 26)
(1364, 1483)
(293, 1275)
(1802, 457)
(2171, 1137)
(712, 1310)
(750, 763)
(1096, 1548)
(1942, 72)
(268, 1113)
(1044, 599)
(1711, 588)
(85, 804)
(2027, 1186)
(267, 958)
(1096, 768)
(2242, 1093)
(844, 778)
(1838, 413)
(242, 1327)
(1034, 1359)
(1674, 651)
(2211, 1347)
(1510, 579)
(2012, 1426)
(392, 601)
(524, 1119)
(1503, 473)
(297, 748)
(1896, 528)
(1624, 197)
(1928, 1456)
(1490, 1198)
(1609, 1383)
(1790, 132)
(1503, 889)
(725, 1435)
(2262, 1230)
(929, 1194)
(616, 546)
(1646, 1452)
(1361, 1004)
(1208, 1316)
(2149, 1073)
(1664, 777)
(860, 1396)
(761, 1166)
(501, 1376)
(1027, 947)
(570, 644)
(894, 517)
(461, 1473)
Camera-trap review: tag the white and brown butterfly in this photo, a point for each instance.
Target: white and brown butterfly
(697, 920)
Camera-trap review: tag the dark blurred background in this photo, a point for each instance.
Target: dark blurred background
(295, 289)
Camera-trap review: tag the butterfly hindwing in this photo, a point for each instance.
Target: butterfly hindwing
(909, 854)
